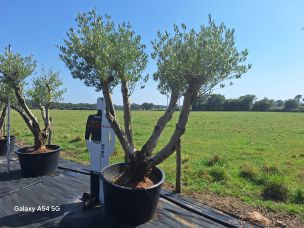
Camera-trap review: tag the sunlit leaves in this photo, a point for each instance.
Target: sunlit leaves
(99, 51)
(209, 54)
(14, 68)
(46, 88)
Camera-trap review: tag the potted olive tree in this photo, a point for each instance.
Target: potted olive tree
(40, 159)
(46, 89)
(189, 62)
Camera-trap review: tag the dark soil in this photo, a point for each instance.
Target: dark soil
(235, 206)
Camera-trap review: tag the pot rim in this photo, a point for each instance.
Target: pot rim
(133, 189)
(29, 154)
(5, 137)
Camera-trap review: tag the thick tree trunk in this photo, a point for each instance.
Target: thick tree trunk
(28, 122)
(43, 114)
(149, 146)
(46, 119)
(111, 116)
(21, 100)
(40, 140)
(127, 112)
(2, 118)
(40, 137)
(141, 166)
(50, 138)
(189, 97)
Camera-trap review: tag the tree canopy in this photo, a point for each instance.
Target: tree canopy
(99, 51)
(209, 54)
(14, 68)
(46, 88)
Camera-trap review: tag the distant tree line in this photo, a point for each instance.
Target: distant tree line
(213, 102)
(218, 102)
(86, 106)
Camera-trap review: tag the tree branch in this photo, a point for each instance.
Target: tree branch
(2, 118)
(43, 114)
(24, 106)
(189, 97)
(27, 120)
(111, 116)
(127, 112)
(39, 136)
(149, 146)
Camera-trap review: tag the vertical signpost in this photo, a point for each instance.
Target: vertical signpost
(100, 140)
(107, 145)
(8, 154)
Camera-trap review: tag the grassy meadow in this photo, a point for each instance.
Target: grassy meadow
(250, 155)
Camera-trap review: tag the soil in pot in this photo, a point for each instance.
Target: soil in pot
(38, 163)
(131, 206)
(3, 145)
(147, 182)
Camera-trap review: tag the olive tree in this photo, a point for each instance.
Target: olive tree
(45, 90)
(14, 69)
(104, 55)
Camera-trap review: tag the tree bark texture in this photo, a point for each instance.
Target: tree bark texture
(149, 146)
(111, 116)
(2, 118)
(189, 97)
(127, 112)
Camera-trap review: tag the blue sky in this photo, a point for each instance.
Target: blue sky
(270, 30)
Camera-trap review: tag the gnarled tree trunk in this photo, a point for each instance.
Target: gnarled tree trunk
(2, 118)
(127, 112)
(140, 163)
(149, 146)
(111, 116)
(40, 136)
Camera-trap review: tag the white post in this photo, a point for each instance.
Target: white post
(100, 152)
(8, 152)
(107, 146)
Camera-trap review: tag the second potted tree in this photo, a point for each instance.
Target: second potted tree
(40, 159)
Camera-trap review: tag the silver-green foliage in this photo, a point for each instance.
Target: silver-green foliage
(14, 68)
(209, 53)
(99, 51)
(46, 88)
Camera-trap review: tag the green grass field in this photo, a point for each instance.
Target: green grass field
(216, 147)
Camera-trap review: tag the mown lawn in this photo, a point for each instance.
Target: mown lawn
(215, 148)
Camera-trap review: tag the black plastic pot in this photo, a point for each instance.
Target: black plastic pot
(38, 164)
(3, 145)
(126, 205)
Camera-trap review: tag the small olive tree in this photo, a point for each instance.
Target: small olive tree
(189, 62)
(14, 69)
(45, 90)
